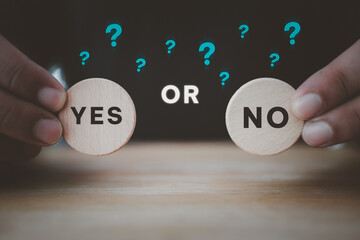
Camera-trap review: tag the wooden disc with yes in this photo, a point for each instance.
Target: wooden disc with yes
(98, 118)
(259, 119)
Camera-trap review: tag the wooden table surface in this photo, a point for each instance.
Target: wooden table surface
(201, 190)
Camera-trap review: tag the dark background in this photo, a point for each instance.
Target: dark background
(55, 32)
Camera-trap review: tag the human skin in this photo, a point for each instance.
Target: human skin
(330, 101)
(29, 98)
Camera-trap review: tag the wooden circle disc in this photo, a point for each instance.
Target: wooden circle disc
(259, 119)
(98, 118)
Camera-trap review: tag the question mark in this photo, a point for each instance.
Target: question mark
(142, 63)
(172, 45)
(211, 48)
(225, 76)
(246, 29)
(118, 31)
(275, 57)
(296, 27)
(85, 56)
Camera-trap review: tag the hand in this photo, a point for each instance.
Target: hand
(330, 101)
(29, 96)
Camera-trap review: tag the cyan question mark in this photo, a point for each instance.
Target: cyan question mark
(141, 62)
(118, 31)
(211, 48)
(85, 56)
(296, 27)
(172, 45)
(275, 57)
(225, 76)
(246, 29)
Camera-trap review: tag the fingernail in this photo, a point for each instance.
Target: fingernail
(48, 130)
(52, 98)
(317, 133)
(306, 106)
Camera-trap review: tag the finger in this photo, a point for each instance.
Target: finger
(329, 87)
(25, 79)
(337, 126)
(12, 149)
(27, 122)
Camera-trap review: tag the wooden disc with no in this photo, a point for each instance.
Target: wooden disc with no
(106, 123)
(256, 117)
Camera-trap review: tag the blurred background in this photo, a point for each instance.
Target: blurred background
(53, 33)
(174, 189)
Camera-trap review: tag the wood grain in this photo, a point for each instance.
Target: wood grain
(196, 191)
(98, 139)
(265, 140)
